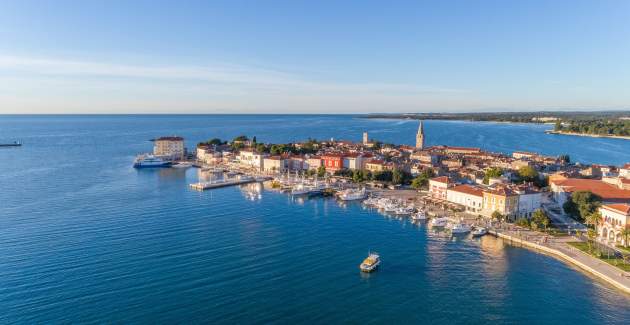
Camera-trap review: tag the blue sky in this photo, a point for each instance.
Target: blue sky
(313, 56)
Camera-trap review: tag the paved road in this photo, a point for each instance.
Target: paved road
(561, 221)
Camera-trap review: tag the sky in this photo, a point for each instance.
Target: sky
(319, 56)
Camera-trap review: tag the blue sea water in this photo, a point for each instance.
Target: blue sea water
(86, 238)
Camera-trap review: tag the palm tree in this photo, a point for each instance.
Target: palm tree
(625, 233)
(591, 236)
(593, 219)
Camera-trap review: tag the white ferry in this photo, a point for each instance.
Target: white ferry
(370, 263)
(352, 194)
(150, 161)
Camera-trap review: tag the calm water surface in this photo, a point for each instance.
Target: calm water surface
(86, 238)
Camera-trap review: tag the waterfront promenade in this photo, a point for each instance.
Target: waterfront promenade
(559, 247)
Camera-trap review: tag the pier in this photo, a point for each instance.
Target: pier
(202, 186)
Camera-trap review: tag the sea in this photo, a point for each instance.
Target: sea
(86, 238)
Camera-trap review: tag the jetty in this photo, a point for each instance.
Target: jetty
(202, 186)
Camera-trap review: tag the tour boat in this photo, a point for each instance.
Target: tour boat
(352, 194)
(419, 216)
(370, 263)
(460, 228)
(439, 222)
(150, 161)
(480, 231)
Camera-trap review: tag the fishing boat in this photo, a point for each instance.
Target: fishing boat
(370, 263)
(479, 231)
(460, 228)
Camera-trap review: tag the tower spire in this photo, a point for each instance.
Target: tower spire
(420, 137)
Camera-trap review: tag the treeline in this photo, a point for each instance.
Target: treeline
(616, 127)
(516, 117)
(239, 142)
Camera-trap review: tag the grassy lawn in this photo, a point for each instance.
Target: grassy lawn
(614, 261)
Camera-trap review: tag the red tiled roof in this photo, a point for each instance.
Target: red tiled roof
(467, 189)
(441, 179)
(604, 190)
(620, 207)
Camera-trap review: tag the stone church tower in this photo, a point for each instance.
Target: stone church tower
(420, 137)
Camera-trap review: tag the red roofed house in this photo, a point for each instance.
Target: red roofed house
(333, 161)
(562, 189)
(625, 171)
(615, 218)
(471, 197)
(438, 187)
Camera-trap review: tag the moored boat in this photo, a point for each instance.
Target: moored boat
(479, 231)
(439, 222)
(420, 215)
(150, 161)
(460, 228)
(352, 194)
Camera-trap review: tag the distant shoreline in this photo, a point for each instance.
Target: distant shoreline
(588, 135)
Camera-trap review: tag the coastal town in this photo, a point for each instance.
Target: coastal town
(543, 202)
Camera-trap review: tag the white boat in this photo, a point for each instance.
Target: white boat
(300, 189)
(480, 231)
(370, 263)
(150, 161)
(390, 207)
(404, 211)
(182, 165)
(352, 194)
(420, 215)
(460, 228)
(439, 222)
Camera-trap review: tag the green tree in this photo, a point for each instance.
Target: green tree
(397, 176)
(422, 180)
(581, 204)
(492, 172)
(240, 138)
(321, 171)
(540, 219)
(592, 219)
(625, 233)
(528, 173)
(213, 142)
(565, 159)
(496, 215)
(522, 222)
(591, 234)
(261, 147)
(357, 176)
(383, 176)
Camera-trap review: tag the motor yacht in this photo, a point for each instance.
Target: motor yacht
(420, 215)
(439, 222)
(352, 194)
(460, 228)
(370, 263)
(479, 231)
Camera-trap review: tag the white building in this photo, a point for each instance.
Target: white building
(529, 200)
(353, 161)
(615, 218)
(208, 155)
(471, 197)
(251, 158)
(625, 171)
(275, 164)
(438, 187)
(169, 148)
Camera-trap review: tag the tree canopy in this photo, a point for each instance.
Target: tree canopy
(581, 204)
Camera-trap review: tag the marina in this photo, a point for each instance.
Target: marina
(148, 229)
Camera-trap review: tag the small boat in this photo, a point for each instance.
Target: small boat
(370, 263)
(390, 207)
(460, 228)
(12, 144)
(480, 231)
(404, 211)
(150, 161)
(300, 189)
(420, 215)
(352, 194)
(439, 222)
(182, 165)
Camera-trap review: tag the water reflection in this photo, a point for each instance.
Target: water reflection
(252, 191)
